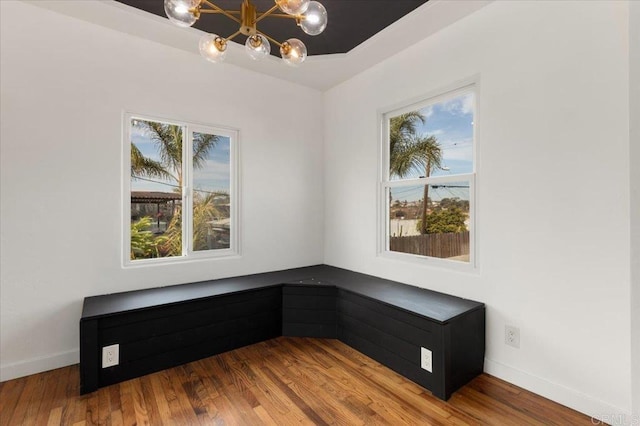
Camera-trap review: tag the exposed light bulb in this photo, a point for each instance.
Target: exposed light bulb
(213, 47)
(293, 52)
(293, 7)
(315, 19)
(257, 47)
(181, 12)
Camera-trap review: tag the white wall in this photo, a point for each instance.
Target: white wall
(634, 133)
(64, 85)
(553, 187)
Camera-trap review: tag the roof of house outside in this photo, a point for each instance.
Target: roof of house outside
(154, 196)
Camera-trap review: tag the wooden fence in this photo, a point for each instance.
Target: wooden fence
(434, 245)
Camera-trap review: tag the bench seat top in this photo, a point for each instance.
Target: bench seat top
(438, 307)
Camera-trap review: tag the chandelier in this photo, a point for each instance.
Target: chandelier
(311, 16)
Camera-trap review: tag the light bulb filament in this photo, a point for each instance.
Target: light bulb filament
(255, 41)
(312, 19)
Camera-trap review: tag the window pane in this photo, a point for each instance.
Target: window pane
(211, 192)
(436, 140)
(445, 233)
(156, 195)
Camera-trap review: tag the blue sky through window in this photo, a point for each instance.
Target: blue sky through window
(214, 176)
(452, 124)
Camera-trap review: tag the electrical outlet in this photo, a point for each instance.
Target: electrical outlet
(426, 360)
(110, 355)
(512, 336)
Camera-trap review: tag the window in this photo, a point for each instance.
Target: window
(180, 190)
(428, 178)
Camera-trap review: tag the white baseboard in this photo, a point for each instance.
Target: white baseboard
(599, 411)
(38, 365)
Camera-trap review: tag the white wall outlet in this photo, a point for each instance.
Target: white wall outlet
(426, 360)
(512, 336)
(110, 355)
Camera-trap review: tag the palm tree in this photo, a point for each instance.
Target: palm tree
(143, 244)
(168, 139)
(432, 159)
(142, 166)
(403, 154)
(410, 151)
(204, 212)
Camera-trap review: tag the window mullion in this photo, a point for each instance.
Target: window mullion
(428, 181)
(187, 196)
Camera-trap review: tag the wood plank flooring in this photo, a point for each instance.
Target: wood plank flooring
(282, 381)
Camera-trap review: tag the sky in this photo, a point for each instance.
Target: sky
(214, 176)
(451, 122)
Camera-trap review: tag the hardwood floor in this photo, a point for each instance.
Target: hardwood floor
(282, 381)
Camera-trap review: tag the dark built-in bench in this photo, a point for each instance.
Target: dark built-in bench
(388, 321)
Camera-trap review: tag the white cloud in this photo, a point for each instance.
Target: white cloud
(464, 153)
(214, 169)
(467, 104)
(427, 111)
(461, 105)
(213, 176)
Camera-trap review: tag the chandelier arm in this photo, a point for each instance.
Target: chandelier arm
(220, 10)
(233, 12)
(269, 12)
(232, 36)
(271, 39)
(284, 15)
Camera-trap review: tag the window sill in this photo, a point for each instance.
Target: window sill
(432, 262)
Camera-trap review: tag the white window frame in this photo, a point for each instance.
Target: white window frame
(188, 254)
(385, 184)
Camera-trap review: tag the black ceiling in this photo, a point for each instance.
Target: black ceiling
(350, 21)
